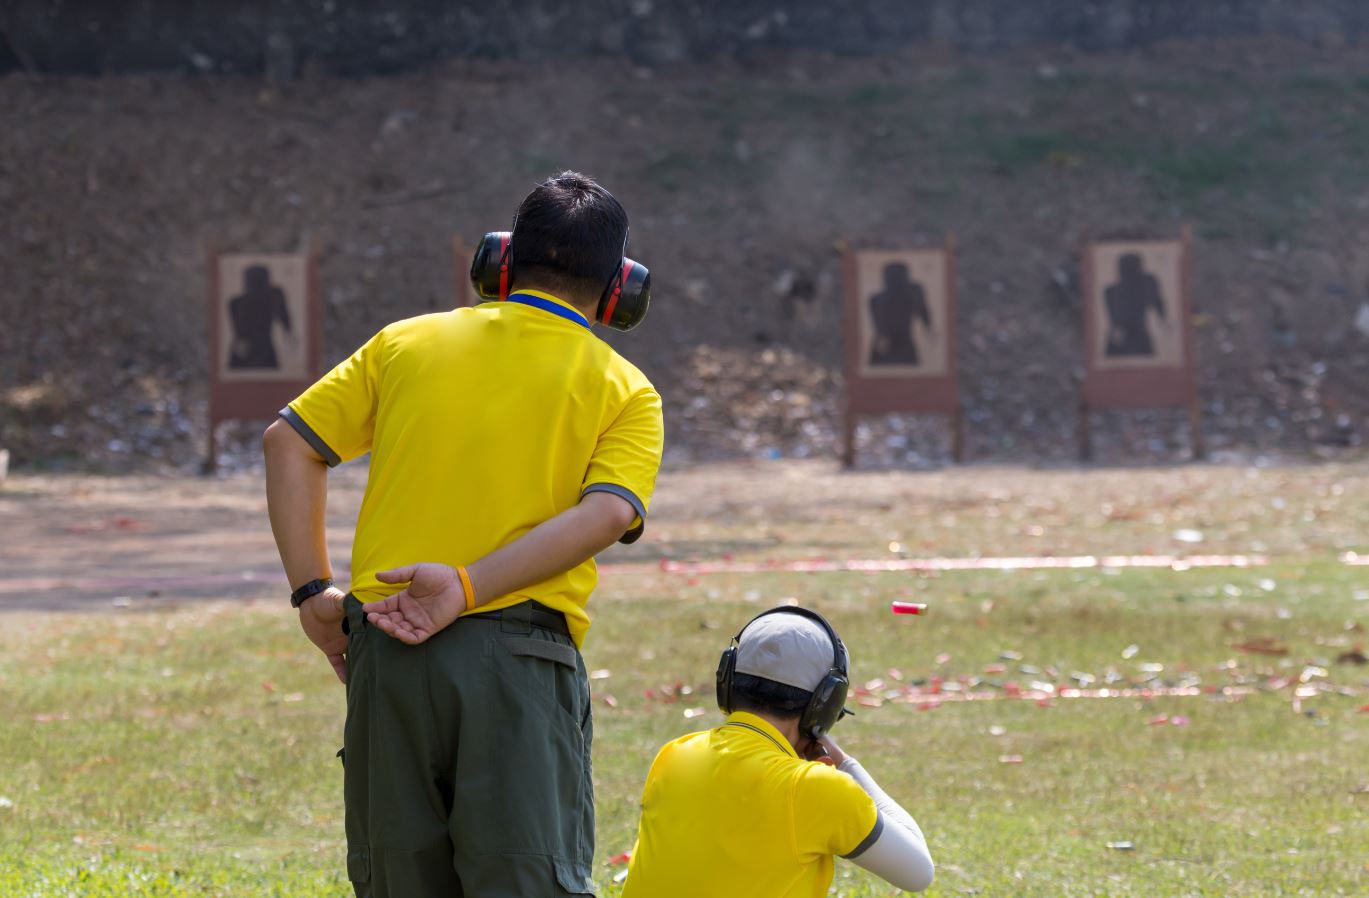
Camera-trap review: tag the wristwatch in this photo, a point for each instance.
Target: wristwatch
(309, 590)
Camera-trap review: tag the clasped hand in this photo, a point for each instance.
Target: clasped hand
(430, 602)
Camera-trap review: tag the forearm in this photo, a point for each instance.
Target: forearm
(892, 810)
(296, 501)
(899, 852)
(551, 548)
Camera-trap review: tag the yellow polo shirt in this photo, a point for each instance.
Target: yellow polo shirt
(734, 811)
(482, 423)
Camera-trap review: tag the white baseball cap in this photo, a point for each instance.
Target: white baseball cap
(788, 648)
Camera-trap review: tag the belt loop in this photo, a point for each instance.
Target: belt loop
(517, 619)
(354, 619)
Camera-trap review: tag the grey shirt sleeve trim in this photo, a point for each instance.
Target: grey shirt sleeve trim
(310, 437)
(622, 492)
(868, 840)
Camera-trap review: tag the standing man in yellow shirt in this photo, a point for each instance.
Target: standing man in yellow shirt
(509, 445)
(746, 809)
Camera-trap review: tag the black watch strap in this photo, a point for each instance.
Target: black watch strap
(308, 590)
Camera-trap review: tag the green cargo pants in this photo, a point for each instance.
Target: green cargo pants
(467, 762)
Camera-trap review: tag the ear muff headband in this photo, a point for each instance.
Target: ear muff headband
(622, 306)
(828, 701)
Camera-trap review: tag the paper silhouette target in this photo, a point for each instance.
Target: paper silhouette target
(899, 336)
(263, 317)
(1138, 341)
(904, 322)
(1138, 321)
(265, 335)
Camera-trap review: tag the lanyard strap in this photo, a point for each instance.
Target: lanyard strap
(747, 726)
(546, 305)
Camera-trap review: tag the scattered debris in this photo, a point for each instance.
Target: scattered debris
(937, 564)
(1263, 645)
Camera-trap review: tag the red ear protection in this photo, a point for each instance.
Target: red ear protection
(627, 297)
(622, 306)
(490, 266)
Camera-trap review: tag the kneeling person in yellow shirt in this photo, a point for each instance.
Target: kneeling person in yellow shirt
(745, 809)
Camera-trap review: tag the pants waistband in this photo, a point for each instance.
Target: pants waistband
(528, 613)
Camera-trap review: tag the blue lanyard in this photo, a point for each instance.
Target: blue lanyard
(546, 305)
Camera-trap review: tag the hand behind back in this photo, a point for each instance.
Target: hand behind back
(430, 602)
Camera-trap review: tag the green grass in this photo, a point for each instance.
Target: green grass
(191, 753)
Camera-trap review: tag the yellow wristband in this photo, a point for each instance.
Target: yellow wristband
(466, 586)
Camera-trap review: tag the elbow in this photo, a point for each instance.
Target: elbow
(621, 522)
(917, 879)
(615, 525)
(920, 874)
(612, 516)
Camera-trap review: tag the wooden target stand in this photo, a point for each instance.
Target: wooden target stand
(242, 388)
(878, 388)
(1165, 381)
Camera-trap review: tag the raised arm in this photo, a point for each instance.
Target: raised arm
(896, 850)
(435, 596)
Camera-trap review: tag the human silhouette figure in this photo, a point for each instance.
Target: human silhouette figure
(254, 313)
(1128, 302)
(892, 312)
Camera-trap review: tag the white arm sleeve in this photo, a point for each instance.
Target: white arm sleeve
(896, 850)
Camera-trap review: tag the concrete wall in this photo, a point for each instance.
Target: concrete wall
(357, 37)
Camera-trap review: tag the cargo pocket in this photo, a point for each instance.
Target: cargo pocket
(528, 647)
(531, 776)
(574, 878)
(358, 864)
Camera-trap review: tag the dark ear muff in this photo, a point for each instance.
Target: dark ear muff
(727, 665)
(490, 273)
(827, 706)
(626, 299)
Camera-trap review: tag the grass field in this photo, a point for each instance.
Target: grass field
(190, 751)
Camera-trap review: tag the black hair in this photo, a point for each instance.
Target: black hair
(761, 696)
(568, 236)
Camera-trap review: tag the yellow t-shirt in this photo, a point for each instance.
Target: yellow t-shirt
(734, 811)
(482, 423)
